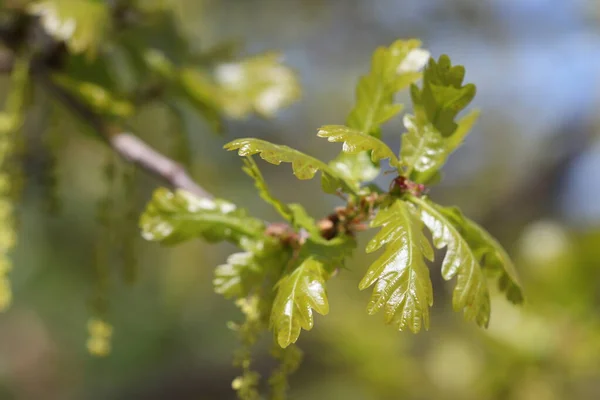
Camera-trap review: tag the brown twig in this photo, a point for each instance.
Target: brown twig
(128, 146)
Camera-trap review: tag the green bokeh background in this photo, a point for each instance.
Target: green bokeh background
(517, 174)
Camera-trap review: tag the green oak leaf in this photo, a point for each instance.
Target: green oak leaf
(245, 273)
(303, 166)
(443, 95)
(356, 142)
(298, 293)
(393, 68)
(491, 254)
(423, 149)
(401, 276)
(470, 292)
(172, 217)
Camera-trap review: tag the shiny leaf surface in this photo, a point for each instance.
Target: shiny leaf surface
(356, 142)
(491, 254)
(172, 217)
(298, 294)
(303, 166)
(470, 293)
(401, 276)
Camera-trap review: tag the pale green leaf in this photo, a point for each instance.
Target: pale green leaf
(246, 273)
(303, 166)
(423, 149)
(491, 254)
(260, 83)
(401, 276)
(355, 168)
(172, 217)
(297, 295)
(81, 24)
(470, 292)
(356, 142)
(392, 69)
(237, 277)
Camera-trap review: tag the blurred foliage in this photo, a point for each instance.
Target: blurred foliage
(170, 339)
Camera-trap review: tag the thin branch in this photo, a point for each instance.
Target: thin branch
(130, 147)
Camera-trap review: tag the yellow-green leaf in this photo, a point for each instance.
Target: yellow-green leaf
(400, 274)
(393, 68)
(172, 217)
(423, 149)
(356, 142)
(491, 254)
(303, 166)
(470, 293)
(297, 295)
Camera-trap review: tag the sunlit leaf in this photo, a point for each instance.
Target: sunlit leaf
(423, 149)
(356, 142)
(297, 295)
(393, 68)
(246, 272)
(303, 166)
(491, 254)
(172, 217)
(82, 24)
(443, 95)
(260, 83)
(470, 292)
(401, 276)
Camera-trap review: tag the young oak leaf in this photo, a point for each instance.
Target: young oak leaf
(172, 217)
(400, 274)
(392, 69)
(303, 166)
(356, 142)
(297, 295)
(236, 278)
(443, 94)
(423, 149)
(491, 254)
(470, 292)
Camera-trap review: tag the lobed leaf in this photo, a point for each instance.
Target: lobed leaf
(400, 274)
(303, 166)
(423, 149)
(443, 95)
(470, 292)
(172, 217)
(247, 272)
(393, 68)
(356, 142)
(491, 254)
(297, 295)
